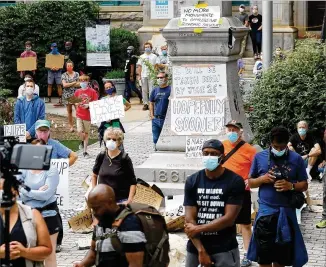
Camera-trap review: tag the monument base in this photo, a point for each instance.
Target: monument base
(168, 171)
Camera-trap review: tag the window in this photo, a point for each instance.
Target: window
(7, 3)
(119, 3)
(316, 10)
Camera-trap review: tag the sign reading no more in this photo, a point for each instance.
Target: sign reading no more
(202, 17)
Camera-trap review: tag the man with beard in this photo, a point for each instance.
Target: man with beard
(102, 201)
(70, 54)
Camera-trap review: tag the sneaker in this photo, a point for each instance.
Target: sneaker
(81, 145)
(245, 262)
(58, 249)
(321, 224)
(256, 56)
(145, 107)
(86, 155)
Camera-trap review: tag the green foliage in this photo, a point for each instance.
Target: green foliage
(291, 90)
(42, 23)
(115, 74)
(6, 107)
(120, 39)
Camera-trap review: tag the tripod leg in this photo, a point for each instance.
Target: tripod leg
(7, 238)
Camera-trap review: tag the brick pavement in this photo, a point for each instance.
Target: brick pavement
(138, 144)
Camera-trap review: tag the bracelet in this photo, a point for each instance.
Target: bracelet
(293, 188)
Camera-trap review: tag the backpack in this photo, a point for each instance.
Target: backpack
(101, 129)
(154, 227)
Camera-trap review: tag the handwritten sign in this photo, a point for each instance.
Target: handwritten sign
(54, 61)
(63, 187)
(81, 222)
(199, 80)
(194, 147)
(147, 195)
(198, 116)
(200, 17)
(17, 130)
(108, 108)
(26, 63)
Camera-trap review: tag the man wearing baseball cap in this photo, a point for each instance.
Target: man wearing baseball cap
(213, 199)
(244, 18)
(240, 161)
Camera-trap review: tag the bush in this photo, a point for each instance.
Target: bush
(120, 39)
(42, 23)
(6, 107)
(115, 74)
(291, 90)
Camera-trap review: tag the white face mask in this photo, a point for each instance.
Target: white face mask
(29, 90)
(241, 9)
(111, 145)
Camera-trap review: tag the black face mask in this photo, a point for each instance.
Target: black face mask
(129, 53)
(67, 48)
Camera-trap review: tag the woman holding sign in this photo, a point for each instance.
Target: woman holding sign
(42, 196)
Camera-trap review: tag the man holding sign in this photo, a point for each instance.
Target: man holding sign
(27, 53)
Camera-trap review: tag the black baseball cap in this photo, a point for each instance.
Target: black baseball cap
(213, 143)
(235, 124)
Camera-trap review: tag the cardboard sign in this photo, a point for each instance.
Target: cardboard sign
(81, 222)
(26, 63)
(17, 130)
(74, 99)
(147, 195)
(175, 224)
(194, 147)
(54, 61)
(200, 17)
(198, 116)
(63, 187)
(106, 109)
(199, 80)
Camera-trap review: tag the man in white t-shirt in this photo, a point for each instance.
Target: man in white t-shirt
(22, 88)
(144, 74)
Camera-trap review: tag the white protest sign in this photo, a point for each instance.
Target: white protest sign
(63, 187)
(194, 146)
(108, 108)
(174, 206)
(200, 17)
(198, 116)
(17, 130)
(199, 80)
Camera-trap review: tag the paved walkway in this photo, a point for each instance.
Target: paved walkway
(138, 144)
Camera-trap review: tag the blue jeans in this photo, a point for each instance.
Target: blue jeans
(157, 126)
(131, 86)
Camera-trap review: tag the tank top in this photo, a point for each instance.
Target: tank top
(17, 234)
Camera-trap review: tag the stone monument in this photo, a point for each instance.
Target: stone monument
(205, 94)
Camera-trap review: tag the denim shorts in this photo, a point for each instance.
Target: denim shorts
(54, 76)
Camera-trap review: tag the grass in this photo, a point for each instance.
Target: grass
(74, 144)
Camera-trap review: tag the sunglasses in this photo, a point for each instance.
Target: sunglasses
(213, 154)
(113, 139)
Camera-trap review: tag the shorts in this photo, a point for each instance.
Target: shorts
(83, 126)
(244, 216)
(54, 76)
(53, 223)
(268, 250)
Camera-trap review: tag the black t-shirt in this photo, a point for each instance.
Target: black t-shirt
(303, 147)
(117, 173)
(71, 55)
(130, 61)
(131, 236)
(211, 197)
(255, 22)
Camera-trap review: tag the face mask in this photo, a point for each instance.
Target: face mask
(161, 81)
(241, 10)
(302, 131)
(111, 145)
(67, 47)
(44, 135)
(129, 52)
(55, 50)
(148, 50)
(29, 90)
(83, 85)
(164, 52)
(110, 91)
(278, 153)
(70, 68)
(28, 48)
(210, 162)
(233, 136)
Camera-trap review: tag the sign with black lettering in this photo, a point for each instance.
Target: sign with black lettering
(82, 221)
(200, 17)
(194, 146)
(198, 116)
(199, 80)
(17, 130)
(106, 109)
(63, 187)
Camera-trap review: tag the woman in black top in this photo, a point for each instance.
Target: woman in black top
(115, 168)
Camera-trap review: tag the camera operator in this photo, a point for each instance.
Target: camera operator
(281, 177)
(30, 241)
(43, 185)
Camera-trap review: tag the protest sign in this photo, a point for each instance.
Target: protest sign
(194, 146)
(108, 108)
(147, 195)
(54, 61)
(17, 130)
(198, 116)
(175, 224)
(26, 63)
(63, 187)
(82, 221)
(199, 80)
(162, 9)
(200, 17)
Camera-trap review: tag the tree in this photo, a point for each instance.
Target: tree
(291, 90)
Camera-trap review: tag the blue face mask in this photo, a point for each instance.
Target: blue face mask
(233, 136)
(148, 50)
(55, 50)
(110, 91)
(211, 162)
(164, 52)
(83, 85)
(302, 131)
(278, 153)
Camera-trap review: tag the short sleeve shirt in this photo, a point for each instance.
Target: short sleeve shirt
(210, 196)
(151, 58)
(255, 21)
(59, 151)
(303, 147)
(70, 79)
(160, 98)
(129, 62)
(87, 96)
(291, 165)
(243, 17)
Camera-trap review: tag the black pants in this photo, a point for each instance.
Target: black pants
(256, 37)
(60, 235)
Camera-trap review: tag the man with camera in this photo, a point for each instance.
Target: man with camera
(281, 177)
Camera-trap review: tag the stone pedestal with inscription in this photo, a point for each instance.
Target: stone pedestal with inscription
(205, 96)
